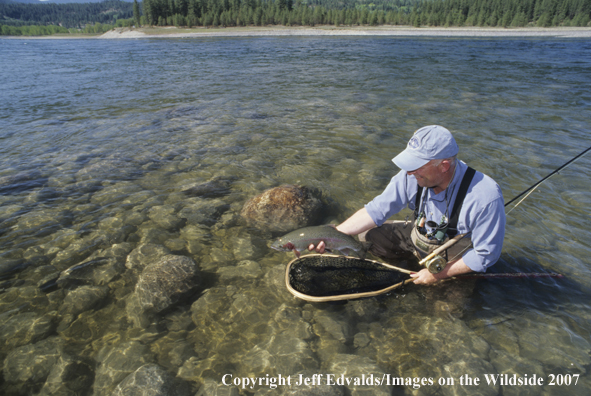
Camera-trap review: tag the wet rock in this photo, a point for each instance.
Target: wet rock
(511, 364)
(83, 299)
(357, 367)
(70, 376)
(163, 283)
(108, 169)
(151, 380)
(31, 364)
(560, 348)
(283, 353)
(230, 322)
(199, 370)
(288, 318)
(76, 252)
(472, 366)
(203, 211)
(11, 266)
(164, 216)
(21, 181)
(336, 327)
(217, 187)
(114, 193)
(91, 325)
(40, 223)
(245, 269)
(144, 255)
(28, 297)
(313, 388)
(212, 387)
(247, 248)
(36, 256)
(117, 362)
(176, 245)
(283, 208)
(26, 328)
(95, 271)
(149, 232)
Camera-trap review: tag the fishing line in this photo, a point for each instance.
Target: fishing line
(550, 175)
(529, 190)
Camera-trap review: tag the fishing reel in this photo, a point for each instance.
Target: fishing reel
(435, 264)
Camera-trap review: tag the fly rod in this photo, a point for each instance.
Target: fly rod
(550, 175)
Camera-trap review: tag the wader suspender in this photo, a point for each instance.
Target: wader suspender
(452, 229)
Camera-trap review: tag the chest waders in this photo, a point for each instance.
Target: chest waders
(425, 245)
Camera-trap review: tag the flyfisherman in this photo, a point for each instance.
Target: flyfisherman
(447, 197)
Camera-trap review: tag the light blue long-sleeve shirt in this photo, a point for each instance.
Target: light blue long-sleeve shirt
(482, 213)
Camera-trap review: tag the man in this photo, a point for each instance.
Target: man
(430, 181)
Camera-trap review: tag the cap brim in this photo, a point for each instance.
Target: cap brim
(409, 162)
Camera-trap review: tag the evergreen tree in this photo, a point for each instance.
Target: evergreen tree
(136, 13)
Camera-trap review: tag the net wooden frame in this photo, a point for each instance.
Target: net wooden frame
(342, 297)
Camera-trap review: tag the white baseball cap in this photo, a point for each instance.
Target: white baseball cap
(428, 143)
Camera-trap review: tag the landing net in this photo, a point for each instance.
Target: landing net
(324, 277)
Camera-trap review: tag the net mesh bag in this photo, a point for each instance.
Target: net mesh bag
(334, 276)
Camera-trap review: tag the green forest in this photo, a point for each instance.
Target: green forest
(17, 18)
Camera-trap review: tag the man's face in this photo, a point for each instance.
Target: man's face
(429, 175)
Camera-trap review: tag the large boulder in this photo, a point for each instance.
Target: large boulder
(283, 208)
(161, 285)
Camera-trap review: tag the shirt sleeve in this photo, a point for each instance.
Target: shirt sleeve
(488, 233)
(393, 199)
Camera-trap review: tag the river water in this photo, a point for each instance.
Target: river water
(99, 138)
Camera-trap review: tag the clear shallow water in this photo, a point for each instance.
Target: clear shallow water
(98, 138)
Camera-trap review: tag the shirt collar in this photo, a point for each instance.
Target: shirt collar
(453, 185)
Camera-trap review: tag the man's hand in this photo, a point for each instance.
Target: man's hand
(319, 248)
(424, 277)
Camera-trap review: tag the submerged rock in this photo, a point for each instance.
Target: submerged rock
(283, 208)
(352, 366)
(71, 376)
(151, 380)
(21, 181)
(83, 299)
(206, 212)
(212, 387)
(31, 364)
(116, 363)
(217, 187)
(26, 328)
(144, 255)
(164, 216)
(163, 283)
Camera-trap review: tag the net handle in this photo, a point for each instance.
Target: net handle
(344, 296)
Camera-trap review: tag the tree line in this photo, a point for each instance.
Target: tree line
(99, 17)
(493, 13)
(67, 15)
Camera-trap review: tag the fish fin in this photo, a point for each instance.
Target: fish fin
(296, 253)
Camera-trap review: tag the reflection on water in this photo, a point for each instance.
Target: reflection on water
(117, 157)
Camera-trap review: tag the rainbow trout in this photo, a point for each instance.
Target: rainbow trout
(335, 241)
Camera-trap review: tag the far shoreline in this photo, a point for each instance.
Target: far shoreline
(328, 30)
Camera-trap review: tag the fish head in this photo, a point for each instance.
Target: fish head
(283, 245)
